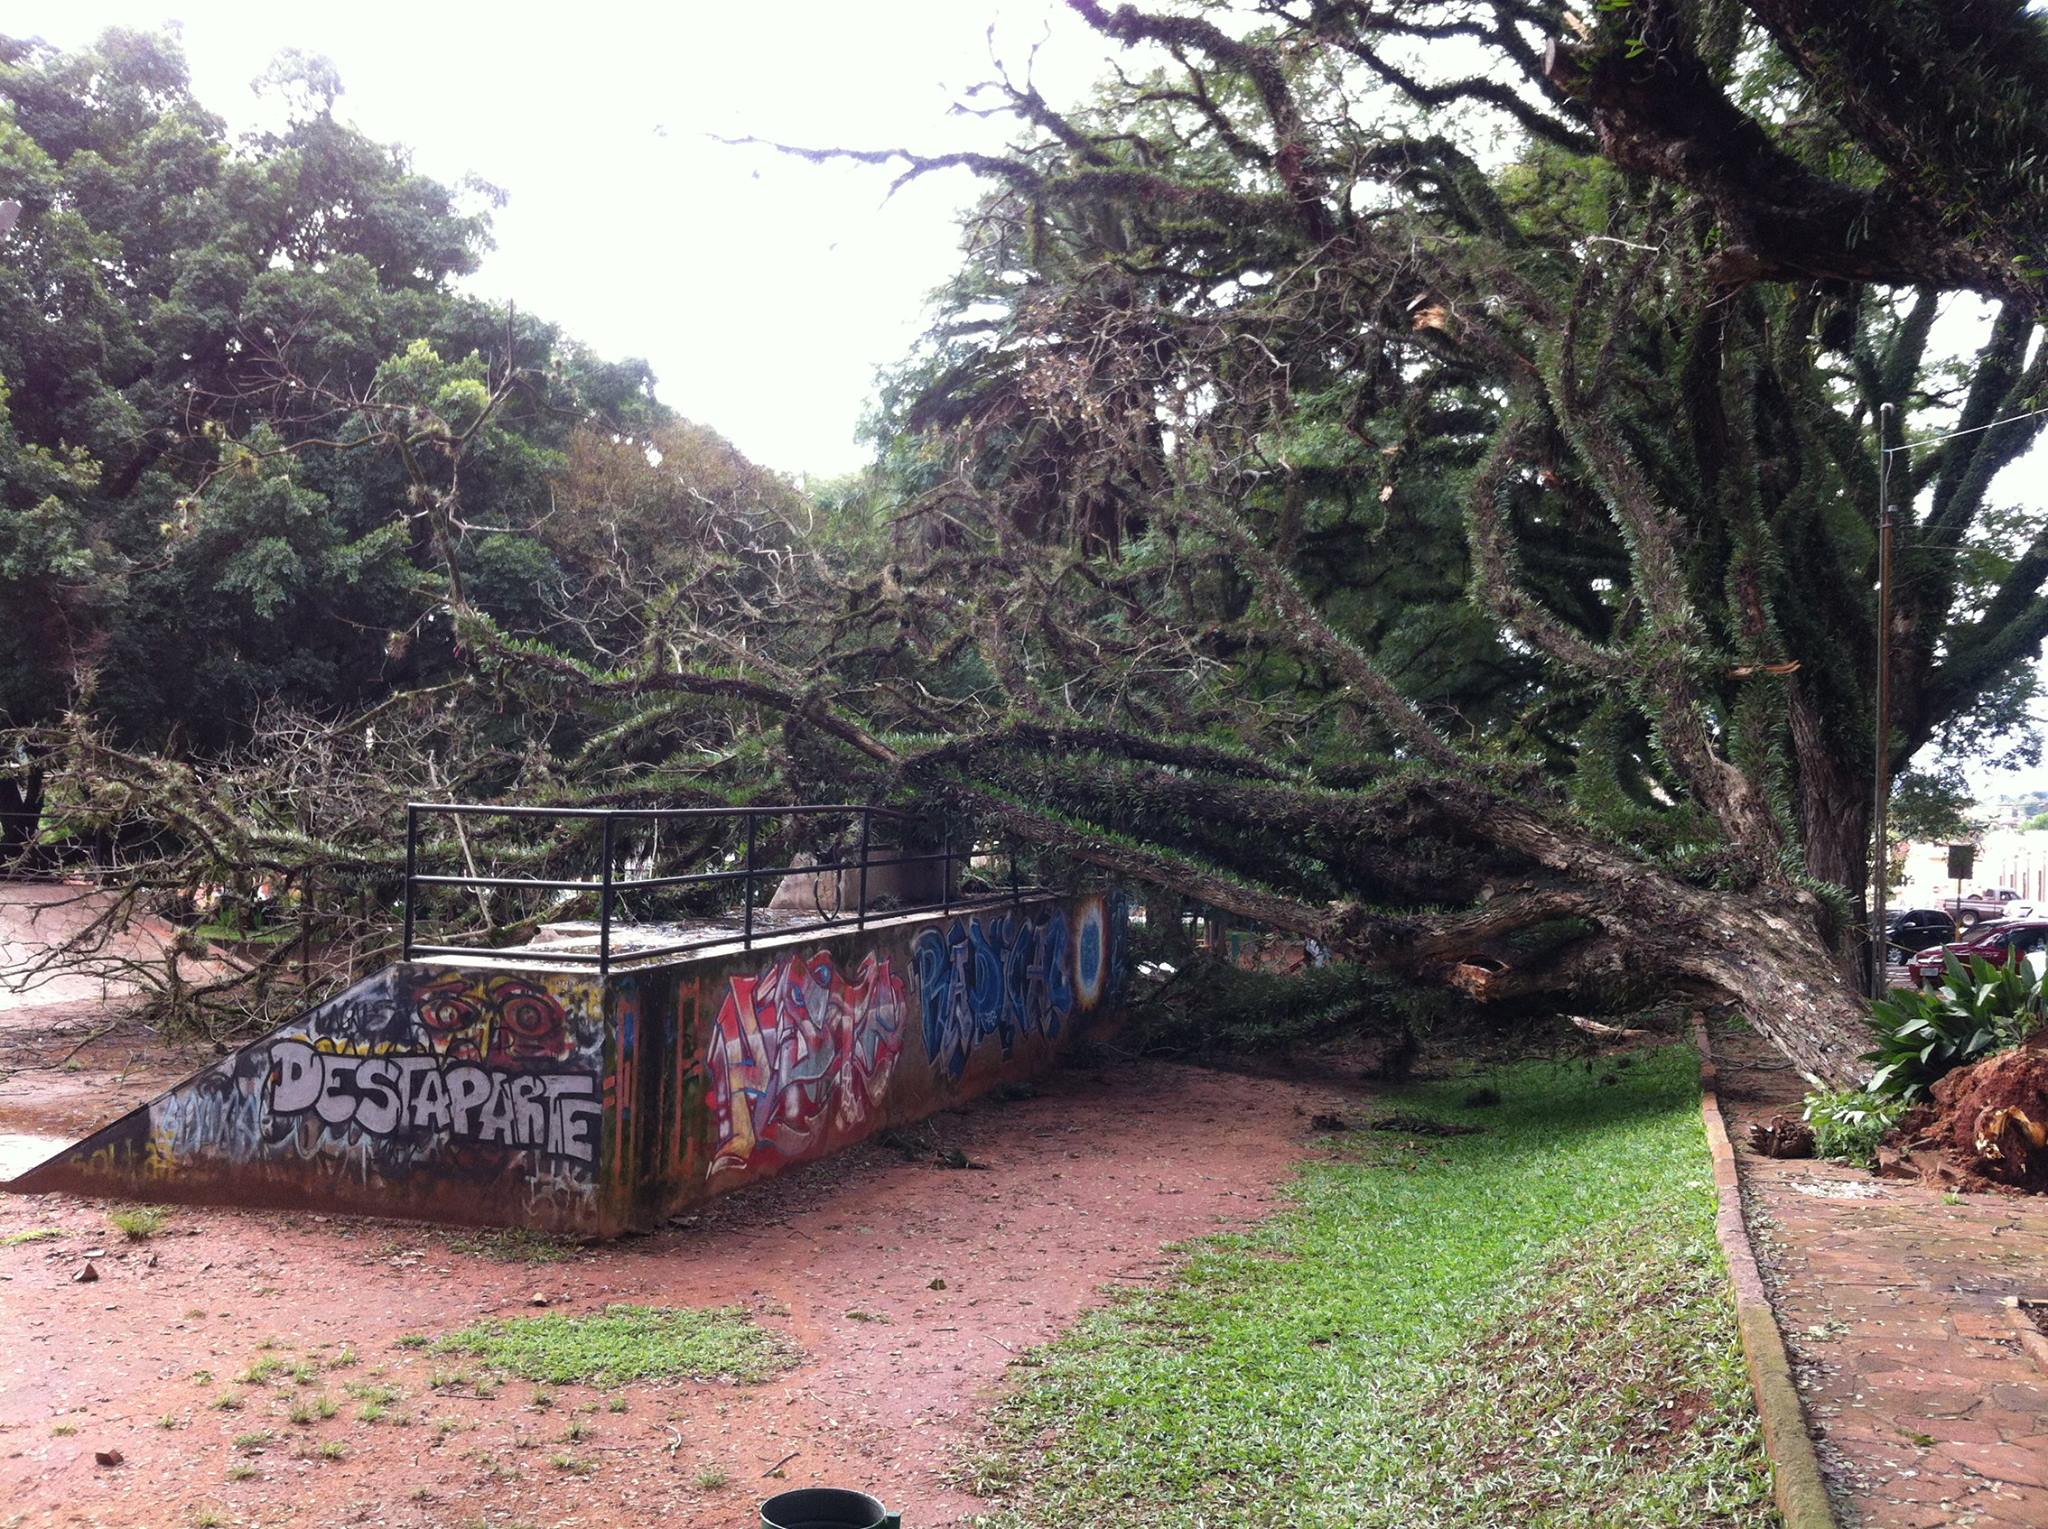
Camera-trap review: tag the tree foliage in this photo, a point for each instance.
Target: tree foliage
(1404, 473)
(183, 317)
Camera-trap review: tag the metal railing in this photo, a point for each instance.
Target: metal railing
(608, 886)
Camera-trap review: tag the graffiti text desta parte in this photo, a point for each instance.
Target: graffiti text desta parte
(552, 1112)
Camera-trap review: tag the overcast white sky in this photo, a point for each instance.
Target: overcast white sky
(765, 291)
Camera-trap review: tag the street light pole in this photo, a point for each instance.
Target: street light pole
(1881, 774)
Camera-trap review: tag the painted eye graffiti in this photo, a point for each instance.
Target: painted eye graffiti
(445, 1007)
(531, 1020)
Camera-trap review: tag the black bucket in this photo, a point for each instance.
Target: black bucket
(827, 1508)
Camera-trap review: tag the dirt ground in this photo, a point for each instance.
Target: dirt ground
(910, 1288)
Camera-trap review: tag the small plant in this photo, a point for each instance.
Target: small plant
(170, 1420)
(139, 1223)
(1924, 1035)
(228, 1401)
(33, 1234)
(414, 1340)
(63, 1430)
(712, 1478)
(241, 1470)
(207, 1518)
(1850, 1123)
(334, 1449)
(618, 1404)
(259, 1373)
(516, 1245)
(346, 1359)
(254, 1442)
(574, 1465)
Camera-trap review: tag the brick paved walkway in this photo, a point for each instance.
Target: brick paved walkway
(1927, 1410)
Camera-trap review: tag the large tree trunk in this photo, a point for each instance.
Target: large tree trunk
(1789, 985)
(1650, 931)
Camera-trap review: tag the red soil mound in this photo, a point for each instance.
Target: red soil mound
(1987, 1124)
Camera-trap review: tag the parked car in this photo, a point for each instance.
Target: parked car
(1981, 906)
(2002, 944)
(1910, 930)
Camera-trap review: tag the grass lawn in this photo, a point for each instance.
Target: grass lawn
(624, 1343)
(1523, 1328)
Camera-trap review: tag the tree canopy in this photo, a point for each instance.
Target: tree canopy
(182, 317)
(1406, 473)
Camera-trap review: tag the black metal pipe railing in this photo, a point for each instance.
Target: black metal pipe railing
(608, 886)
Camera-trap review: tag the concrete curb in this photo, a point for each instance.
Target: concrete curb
(1795, 1467)
(2029, 1335)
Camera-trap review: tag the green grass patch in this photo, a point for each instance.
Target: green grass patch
(230, 934)
(1525, 1326)
(139, 1223)
(623, 1343)
(33, 1234)
(516, 1245)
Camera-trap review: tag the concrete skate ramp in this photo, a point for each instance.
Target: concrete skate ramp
(505, 1091)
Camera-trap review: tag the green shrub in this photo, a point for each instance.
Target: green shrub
(1850, 1123)
(1923, 1035)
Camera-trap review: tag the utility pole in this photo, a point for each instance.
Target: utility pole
(1881, 773)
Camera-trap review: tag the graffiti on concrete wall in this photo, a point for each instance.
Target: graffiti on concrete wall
(426, 1098)
(479, 1076)
(1004, 975)
(800, 1050)
(1091, 952)
(545, 1098)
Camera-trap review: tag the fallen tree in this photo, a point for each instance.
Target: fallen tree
(1460, 556)
(1412, 553)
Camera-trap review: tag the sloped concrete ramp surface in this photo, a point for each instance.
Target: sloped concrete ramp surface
(513, 1092)
(422, 1091)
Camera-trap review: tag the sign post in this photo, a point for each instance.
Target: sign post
(1962, 859)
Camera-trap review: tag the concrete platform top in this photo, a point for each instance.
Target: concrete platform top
(572, 948)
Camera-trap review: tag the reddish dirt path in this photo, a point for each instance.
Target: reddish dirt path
(1084, 1186)
(1927, 1409)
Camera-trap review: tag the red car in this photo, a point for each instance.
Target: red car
(2002, 944)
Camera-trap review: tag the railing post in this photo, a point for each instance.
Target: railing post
(867, 815)
(604, 904)
(1016, 895)
(412, 864)
(946, 869)
(747, 889)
